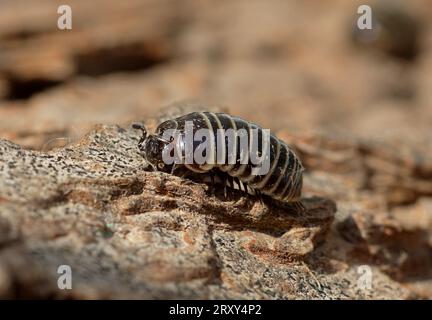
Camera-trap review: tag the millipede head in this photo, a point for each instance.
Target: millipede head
(151, 147)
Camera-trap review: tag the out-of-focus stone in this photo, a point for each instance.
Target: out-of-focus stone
(400, 172)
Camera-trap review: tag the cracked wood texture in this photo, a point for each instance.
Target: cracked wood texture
(355, 107)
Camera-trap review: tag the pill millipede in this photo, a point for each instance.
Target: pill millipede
(282, 182)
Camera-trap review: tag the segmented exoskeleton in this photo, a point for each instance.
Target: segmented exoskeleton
(283, 181)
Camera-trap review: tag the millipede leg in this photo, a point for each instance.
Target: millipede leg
(180, 171)
(212, 183)
(229, 182)
(259, 195)
(224, 181)
(245, 187)
(237, 181)
(173, 168)
(298, 205)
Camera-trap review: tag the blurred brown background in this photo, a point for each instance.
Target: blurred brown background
(294, 65)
